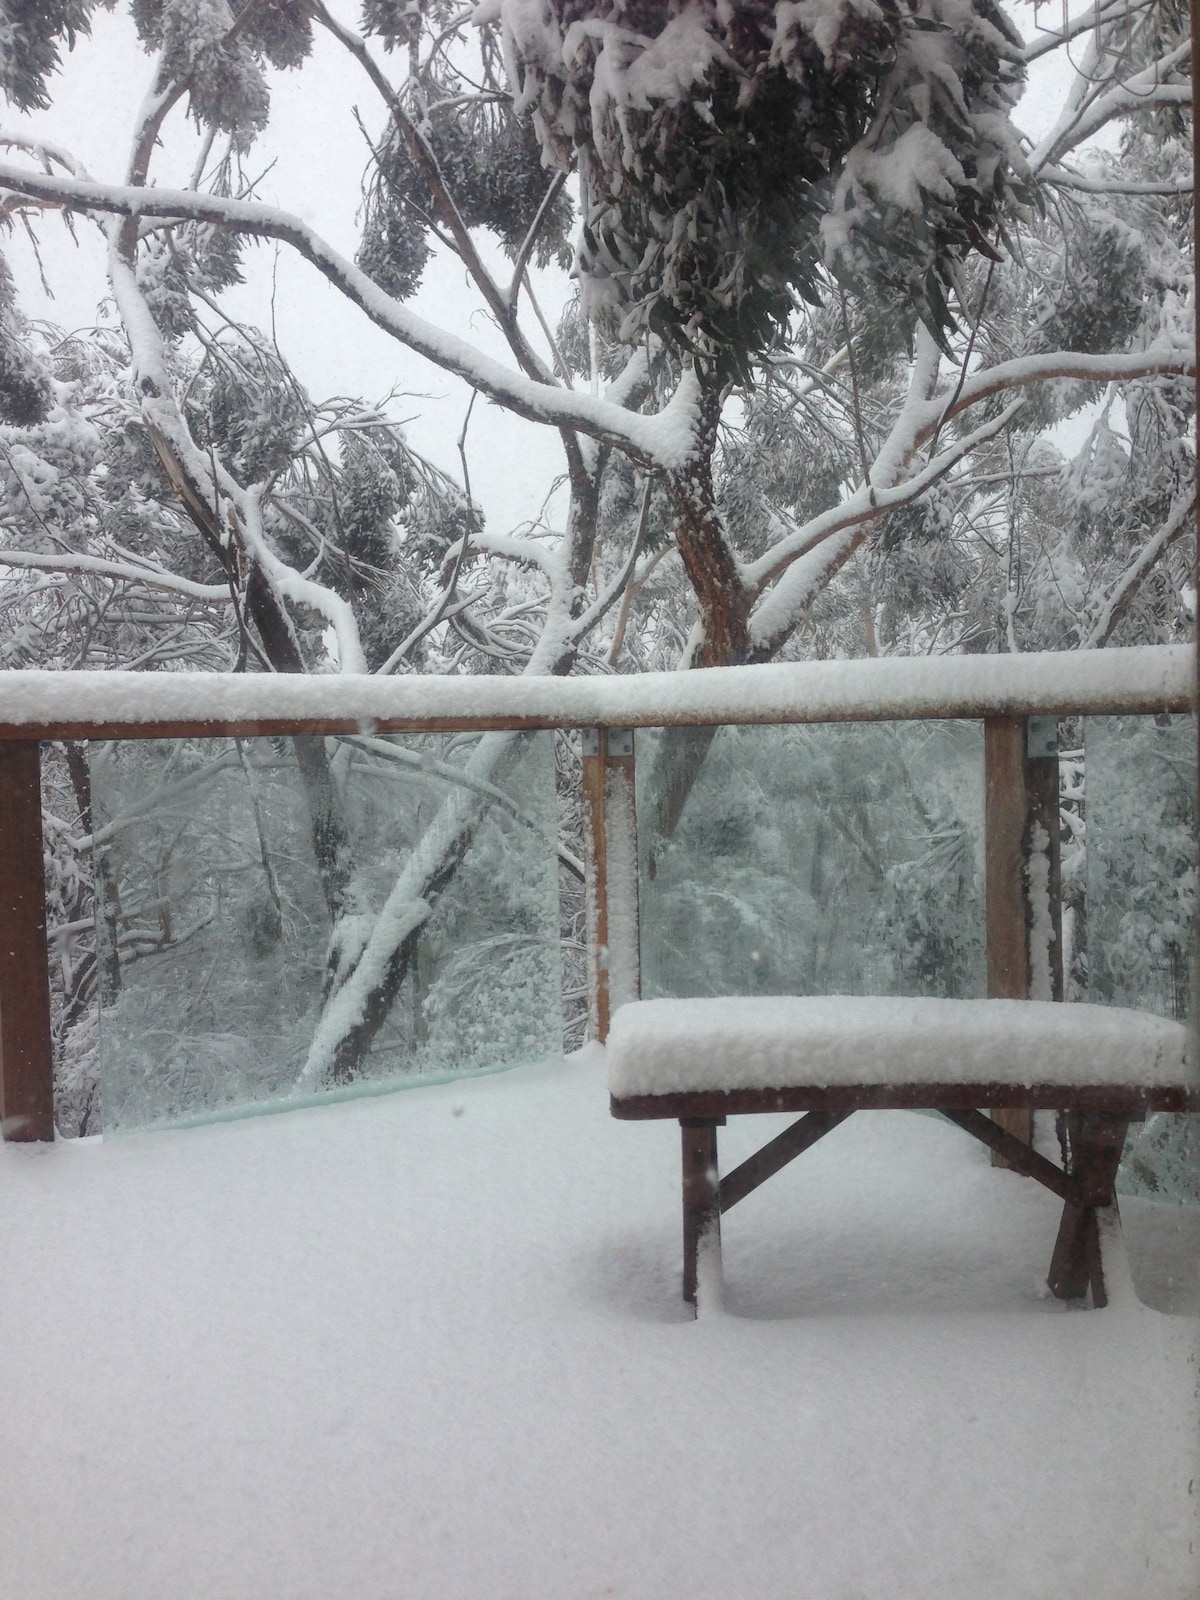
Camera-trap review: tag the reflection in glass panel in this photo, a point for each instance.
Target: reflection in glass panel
(1141, 906)
(216, 933)
(1141, 860)
(835, 859)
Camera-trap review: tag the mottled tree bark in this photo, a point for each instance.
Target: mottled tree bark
(711, 566)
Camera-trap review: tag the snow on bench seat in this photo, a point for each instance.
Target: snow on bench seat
(666, 1047)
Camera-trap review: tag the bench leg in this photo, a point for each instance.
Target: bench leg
(1094, 1143)
(701, 1200)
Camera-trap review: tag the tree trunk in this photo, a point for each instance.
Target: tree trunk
(327, 824)
(711, 565)
(104, 887)
(345, 1054)
(724, 606)
(371, 982)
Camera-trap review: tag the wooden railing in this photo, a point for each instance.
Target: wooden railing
(1018, 698)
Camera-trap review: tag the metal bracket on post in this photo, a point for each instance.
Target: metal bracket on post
(590, 738)
(620, 742)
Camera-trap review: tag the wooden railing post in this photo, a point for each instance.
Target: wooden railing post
(26, 1060)
(1022, 872)
(610, 847)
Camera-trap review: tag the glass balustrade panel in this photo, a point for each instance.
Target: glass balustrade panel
(1136, 943)
(824, 859)
(255, 922)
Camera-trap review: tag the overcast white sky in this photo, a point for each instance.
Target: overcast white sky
(319, 157)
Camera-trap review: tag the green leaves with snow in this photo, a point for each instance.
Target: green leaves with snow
(731, 157)
(217, 54)
(490, 165)
(30, 37)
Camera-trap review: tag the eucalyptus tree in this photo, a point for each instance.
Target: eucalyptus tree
(823, 323)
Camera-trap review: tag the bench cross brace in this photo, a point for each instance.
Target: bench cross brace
(1021, 1157)
(776, 1154)
(1094, 1141)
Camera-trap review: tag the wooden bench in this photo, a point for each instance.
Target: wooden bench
(1100, 1067)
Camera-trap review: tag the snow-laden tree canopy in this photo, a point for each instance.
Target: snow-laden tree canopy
(730, 157)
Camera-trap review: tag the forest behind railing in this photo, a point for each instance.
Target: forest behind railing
(1018, 826)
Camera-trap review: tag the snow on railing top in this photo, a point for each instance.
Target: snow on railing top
(142, 705)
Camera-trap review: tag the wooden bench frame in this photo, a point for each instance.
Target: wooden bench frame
(1092, 1126)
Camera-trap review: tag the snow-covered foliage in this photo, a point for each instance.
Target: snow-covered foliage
(25, 393)
(488, 159)
(30, 43)
(727, 154)
(1140, 909)
(216, 53)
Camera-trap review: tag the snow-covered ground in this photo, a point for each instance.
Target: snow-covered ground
(430, 1347)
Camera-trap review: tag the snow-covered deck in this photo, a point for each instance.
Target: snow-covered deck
(431, 1346)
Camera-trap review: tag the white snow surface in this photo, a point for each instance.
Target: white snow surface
(771, 1041)
(431, 1346)
(1138, 678)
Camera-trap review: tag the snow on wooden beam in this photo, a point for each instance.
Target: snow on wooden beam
(82, 705)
